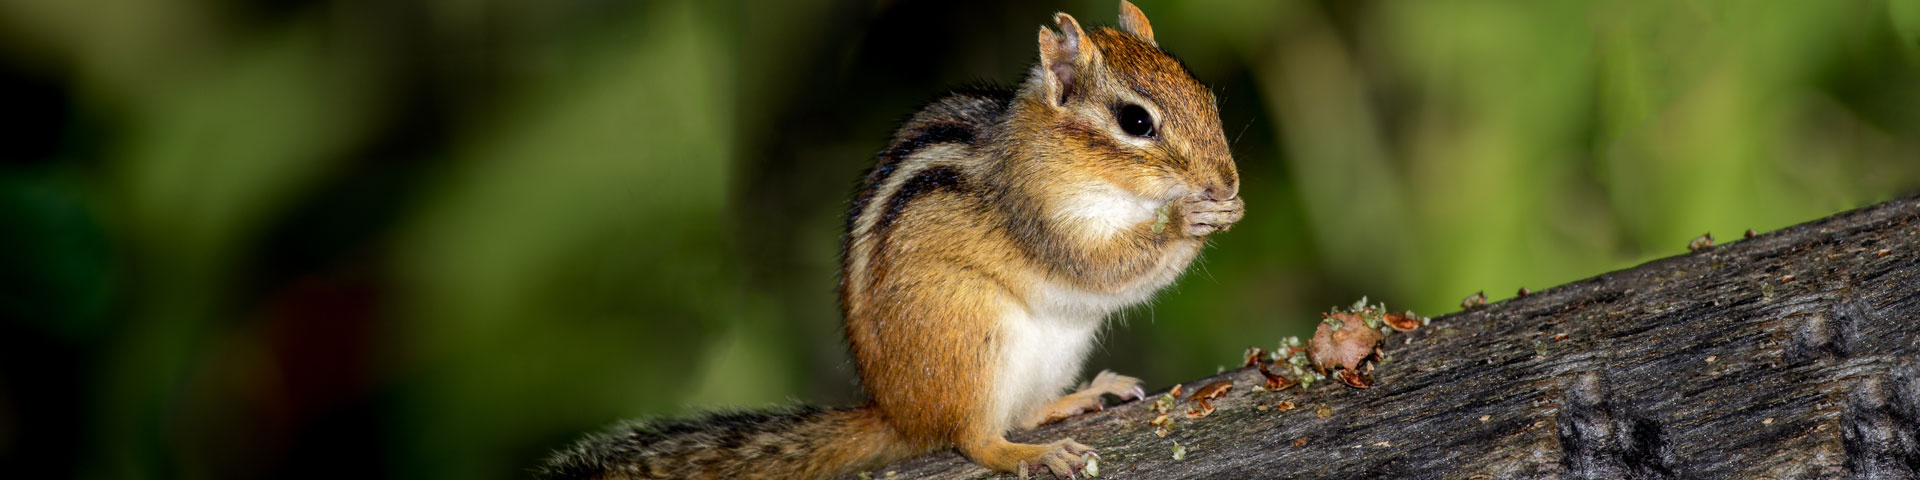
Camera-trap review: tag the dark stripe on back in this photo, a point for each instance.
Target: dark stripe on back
(961, 129)
(932, 134)
(890, 159)
(930, 180)
(959, 116)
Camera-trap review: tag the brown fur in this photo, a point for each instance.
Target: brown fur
(993, 220)
(799, 442)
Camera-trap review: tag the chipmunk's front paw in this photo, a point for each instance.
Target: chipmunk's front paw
(1201, 215)
(1063, 458)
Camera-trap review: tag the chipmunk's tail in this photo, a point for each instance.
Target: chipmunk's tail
(799, 442)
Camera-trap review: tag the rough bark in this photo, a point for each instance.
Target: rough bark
(1787, 355)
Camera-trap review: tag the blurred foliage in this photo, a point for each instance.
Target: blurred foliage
(436, 239)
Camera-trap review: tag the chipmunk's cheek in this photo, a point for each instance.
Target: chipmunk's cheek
(1101, 210)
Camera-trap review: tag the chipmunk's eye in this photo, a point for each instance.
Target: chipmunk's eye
(1135, 120)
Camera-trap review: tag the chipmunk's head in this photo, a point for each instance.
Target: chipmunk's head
(1117, 100)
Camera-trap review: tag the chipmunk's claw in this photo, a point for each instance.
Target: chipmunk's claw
(1063, 459)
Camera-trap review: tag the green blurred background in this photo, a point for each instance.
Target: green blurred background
(437, 238)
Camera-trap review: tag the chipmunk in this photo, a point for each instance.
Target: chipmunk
(983, 253)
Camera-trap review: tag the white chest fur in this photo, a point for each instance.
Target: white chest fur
(1040, 356)
(1046, 340)
(1100, 209)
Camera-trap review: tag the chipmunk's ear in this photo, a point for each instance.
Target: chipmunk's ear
(1064, 57)
(1135, 22)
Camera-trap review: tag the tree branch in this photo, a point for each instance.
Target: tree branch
(1788, 355)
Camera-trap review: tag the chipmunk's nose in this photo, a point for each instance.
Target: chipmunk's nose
(1225, 185)
(1217, 193)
